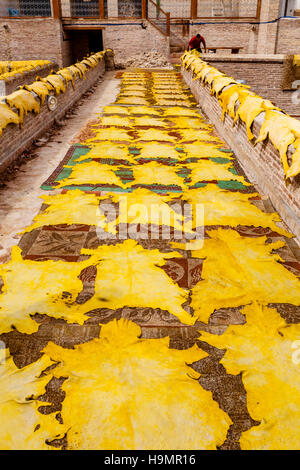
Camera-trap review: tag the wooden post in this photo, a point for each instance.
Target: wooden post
(56, 8)
(101, 9)
(144, 9)
(168, 24)
(194, 8)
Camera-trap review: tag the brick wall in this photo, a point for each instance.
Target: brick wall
(261, 162)
(267, 35)
(263, 73)
(288, 41)
(15, 140)
(10, 84)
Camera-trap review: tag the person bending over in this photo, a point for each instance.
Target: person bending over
(195, 43)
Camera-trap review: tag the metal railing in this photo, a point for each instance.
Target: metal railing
(226, 8)
(129, 8)
(158, 17)
(80, 8)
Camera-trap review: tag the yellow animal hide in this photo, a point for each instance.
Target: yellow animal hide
(113, 133)
(126, 272)
(24, 101)
(239, 270)
(207, 170)
(19, 406)
(223, 207)
(145, 207)
(155, 173)
(282, 131)
(115, 110)
(204, 150)
(156, 150)
(189, 135)
(42, 284)
(190, 123)
(126, 392)
(262, 350)
(73, 207)
(7, 116)
(91, 173)
(155, 134)
(107, 150)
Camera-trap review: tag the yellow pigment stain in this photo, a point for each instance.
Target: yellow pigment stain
(147, 410)
(264, 351)
(155, 173)
(239, 270)
(125, 272)
(22, 426)
(42, 284)
(91, 173)
(207, 170)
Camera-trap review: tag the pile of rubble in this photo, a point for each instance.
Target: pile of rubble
(149, 59)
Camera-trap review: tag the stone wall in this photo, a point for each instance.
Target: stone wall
(31, 39)
(15, 140)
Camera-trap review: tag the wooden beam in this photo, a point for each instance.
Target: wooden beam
(81, 27)
(56, 8)
(144, 9)
(194, 8)
(101, 9)
(168, 24)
